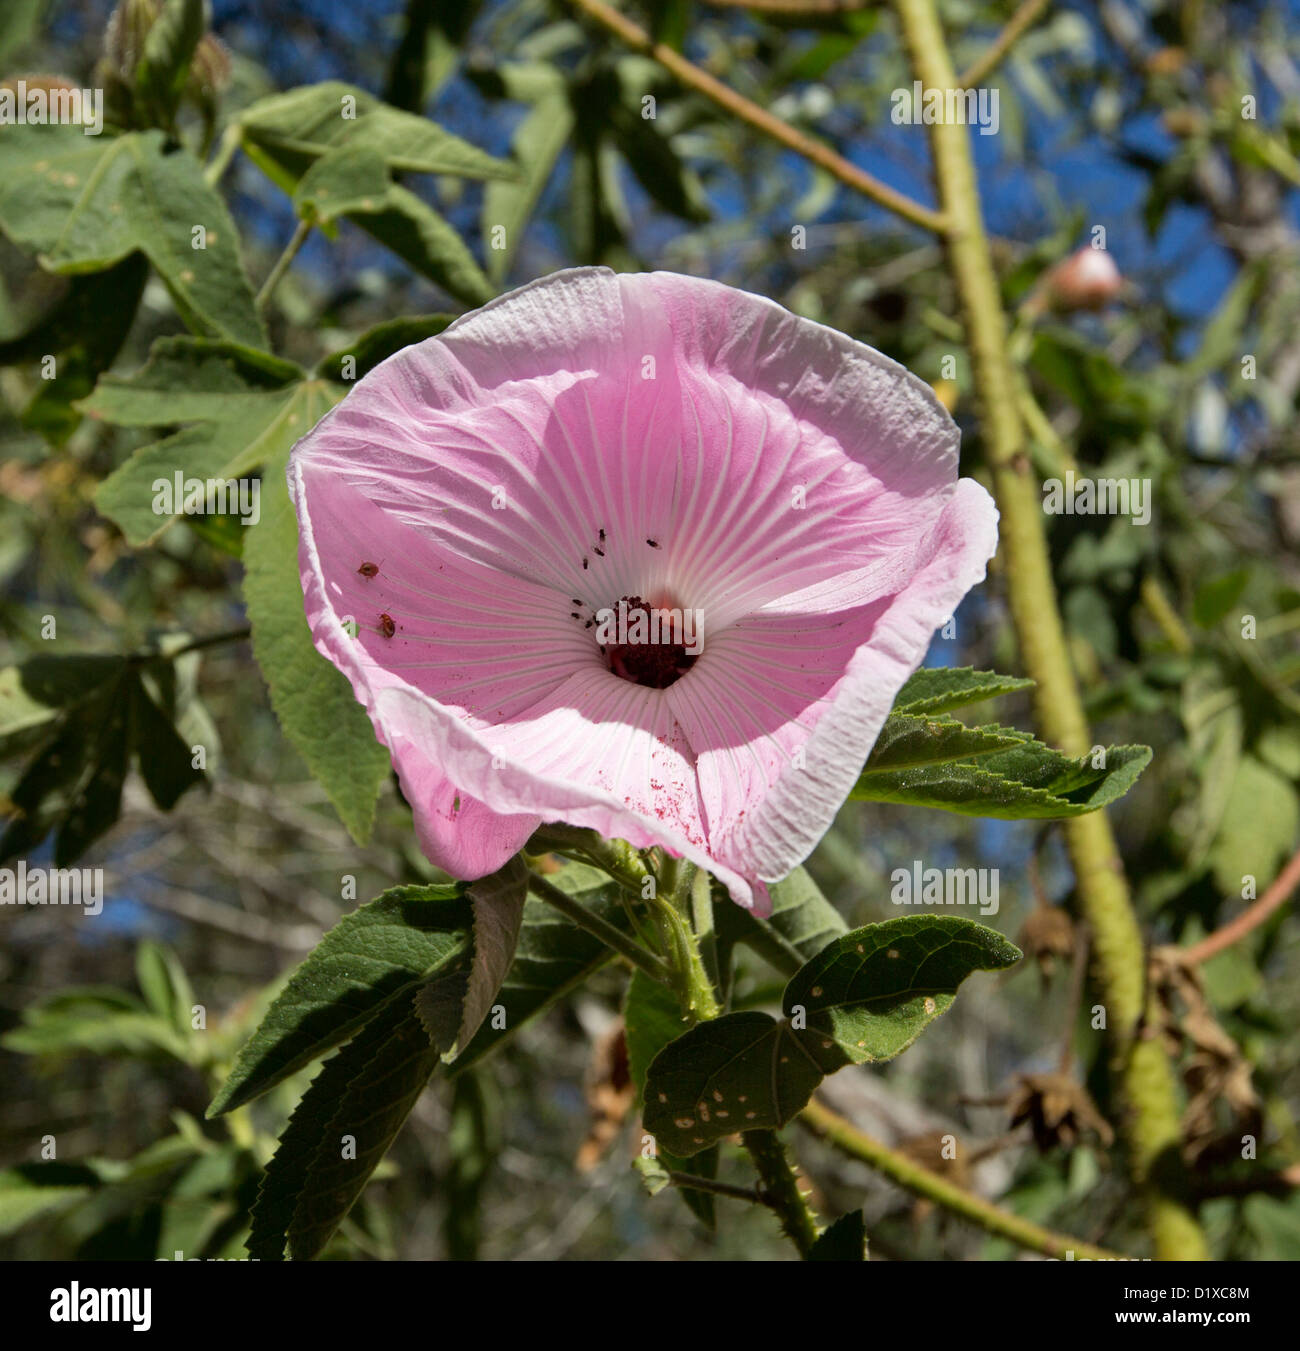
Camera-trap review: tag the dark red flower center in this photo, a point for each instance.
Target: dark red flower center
(649, 645)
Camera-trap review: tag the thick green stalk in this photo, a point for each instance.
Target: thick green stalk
(1146, 1075)
(919, 1180)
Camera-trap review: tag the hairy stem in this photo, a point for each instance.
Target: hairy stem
(781, 1188)
(1146, 1075)
(920, 1181)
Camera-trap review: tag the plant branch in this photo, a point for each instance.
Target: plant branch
(693, 1182)
(759, 118)
(226, 150)
(1213, 944)
(1028, 14)
(920, 1181)
(1146, 1075)
(301, 231)
(210, 640)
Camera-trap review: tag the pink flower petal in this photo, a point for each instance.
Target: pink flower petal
(592, 437)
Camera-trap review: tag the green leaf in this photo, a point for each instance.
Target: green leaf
(1215, 599)
(380, 953)
(30, 1190)
(85, 203)
(379, 343)
(865, 997)
(497, 904)
(472, 1146)
(802, 922)
(654, 162)
(1030, 782)
(906, 741)
(291, 130)
(1258, 829)
(89, 715)
(82, 1022)
(35, 694)
(163, 982)
(844, 1241)
(652, 1019)
(312, 699)
(940, 689)
(353, 181)
(536, 144)
(73, 785)
(84, 331)
(365, 1092)
(247, 410)
(164, 65)
(552, 957)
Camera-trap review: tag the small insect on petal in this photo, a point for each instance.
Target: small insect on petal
(386, 625)
(653, 543)
(369, 569)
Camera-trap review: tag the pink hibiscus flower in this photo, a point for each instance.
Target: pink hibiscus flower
(508, 509)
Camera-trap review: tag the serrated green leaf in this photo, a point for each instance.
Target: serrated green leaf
(1030, 782)
(365, 1091)
(941, 689)
(497, 907)
(353, 181)
(552, 957)
(865, 997)
(380, 952)
(844, 1241)
(295, 128)
(85, 203)
(906, 741)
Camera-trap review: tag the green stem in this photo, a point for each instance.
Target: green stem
(220, 162)
(781, 1188)
(602, 929)
(1146, 1075)
(211, 640)
(301, 231)
(693, 1182)
(920, 1181)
